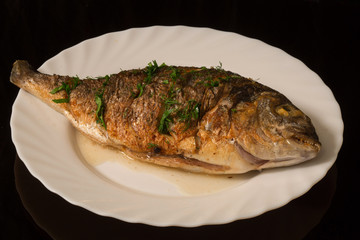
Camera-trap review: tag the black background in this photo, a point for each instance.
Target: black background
(323, 34)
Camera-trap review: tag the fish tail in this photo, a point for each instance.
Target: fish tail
(20, 72)
(36, 83)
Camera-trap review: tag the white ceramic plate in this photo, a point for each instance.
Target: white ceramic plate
(45, 141)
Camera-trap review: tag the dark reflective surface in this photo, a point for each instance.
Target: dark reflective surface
(325, 35)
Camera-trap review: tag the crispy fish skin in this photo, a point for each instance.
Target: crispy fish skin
(204, 120)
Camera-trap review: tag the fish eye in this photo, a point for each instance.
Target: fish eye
(283, 110)
(286, 108)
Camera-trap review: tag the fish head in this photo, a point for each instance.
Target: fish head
(275, 130)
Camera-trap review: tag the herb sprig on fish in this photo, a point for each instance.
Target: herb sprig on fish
(190, 112)
(67, 87)
(99, 113)
(150, 71)
(186, 113)
(169, 103)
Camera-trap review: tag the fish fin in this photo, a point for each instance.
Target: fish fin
(21, 68)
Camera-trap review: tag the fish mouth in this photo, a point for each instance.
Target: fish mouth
(311, 143)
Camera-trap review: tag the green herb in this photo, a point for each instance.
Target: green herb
(99, 100)
(100, 110)
(169, 102)
(67, 87)
(175, 74)
(187, 113)
(169, 99)
(61, 100)
(228, 78)
(150, 71)
(234, 110)
(190, 112)
(165, 121)
(140, 87)
(209, 82)
(219, 67)
(225, 79)
(212, 83)
(62, 87)
(152, 145)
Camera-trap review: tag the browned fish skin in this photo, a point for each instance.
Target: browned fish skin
(200, 109)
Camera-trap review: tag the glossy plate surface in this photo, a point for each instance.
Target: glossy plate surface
(45, 140)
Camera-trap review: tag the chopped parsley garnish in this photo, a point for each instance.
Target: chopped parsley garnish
(67, 87)
(219, 67)
(150, 71)
(169, 103)
(175, 74)
(165, 121)
(190, 112)
(100, 110)
(225, 79)
(212, 83)
(183, 112)
(152, 145)
(63, 86)
(99, 100)
(209, 82)
(207, 78)
(61, 100)
(140, 87)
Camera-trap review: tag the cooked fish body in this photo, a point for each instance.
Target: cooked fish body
(204, 120)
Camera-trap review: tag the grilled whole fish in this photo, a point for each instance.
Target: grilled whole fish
(204, 120)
